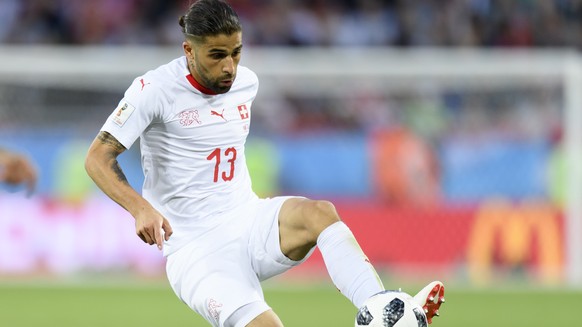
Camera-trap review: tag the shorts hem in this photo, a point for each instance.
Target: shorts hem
(253, 311)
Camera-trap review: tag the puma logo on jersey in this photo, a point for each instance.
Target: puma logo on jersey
(143, 84)
(215, 113)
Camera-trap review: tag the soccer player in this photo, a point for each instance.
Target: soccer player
(193, 116)
(17, 169)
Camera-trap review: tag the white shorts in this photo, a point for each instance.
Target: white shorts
(221, 271)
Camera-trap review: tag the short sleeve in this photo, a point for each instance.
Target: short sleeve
(140, 106)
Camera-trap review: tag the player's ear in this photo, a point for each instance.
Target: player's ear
(187, 49)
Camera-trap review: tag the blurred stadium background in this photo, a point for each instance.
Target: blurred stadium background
(447, 133)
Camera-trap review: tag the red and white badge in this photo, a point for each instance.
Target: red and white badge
(243, 111)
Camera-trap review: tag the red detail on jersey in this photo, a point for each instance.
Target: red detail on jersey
(215, 113)
(143, 84)
(215, 155)
(243, 111)
(230, 152)
(187, 117)
(199, 86)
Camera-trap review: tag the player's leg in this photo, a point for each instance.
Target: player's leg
(304, 223)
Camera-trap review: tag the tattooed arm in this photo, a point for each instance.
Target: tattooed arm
(102, 166)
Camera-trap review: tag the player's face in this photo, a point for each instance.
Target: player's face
(214, 62)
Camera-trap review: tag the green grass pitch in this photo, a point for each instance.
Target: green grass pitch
(33, 305)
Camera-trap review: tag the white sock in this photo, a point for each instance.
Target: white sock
(347, 265)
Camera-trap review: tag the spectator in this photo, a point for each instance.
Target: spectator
(453, 23)
(16, 169)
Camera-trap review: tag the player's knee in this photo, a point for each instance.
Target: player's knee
(320, 215)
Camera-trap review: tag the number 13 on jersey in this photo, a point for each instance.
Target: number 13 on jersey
(216, 156)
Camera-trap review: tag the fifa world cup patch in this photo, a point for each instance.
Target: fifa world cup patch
(122, 113)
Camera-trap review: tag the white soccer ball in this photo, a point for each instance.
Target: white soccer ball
(391, 309)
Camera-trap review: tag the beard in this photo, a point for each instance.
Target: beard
(216, 85)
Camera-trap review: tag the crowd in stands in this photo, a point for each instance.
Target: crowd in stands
(412, 23)
(439, 118)
(487, 23)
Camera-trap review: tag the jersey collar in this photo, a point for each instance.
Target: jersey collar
(199, 86)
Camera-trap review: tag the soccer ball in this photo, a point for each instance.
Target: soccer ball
(391, 309)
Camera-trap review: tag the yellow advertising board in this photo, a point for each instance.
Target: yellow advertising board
(507, 236)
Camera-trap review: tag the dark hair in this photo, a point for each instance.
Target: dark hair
(209, 18)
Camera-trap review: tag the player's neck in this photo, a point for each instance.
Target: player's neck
(197, 85)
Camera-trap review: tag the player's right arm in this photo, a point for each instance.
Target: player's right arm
(102, 166)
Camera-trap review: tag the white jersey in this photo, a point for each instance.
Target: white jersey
(192, 145)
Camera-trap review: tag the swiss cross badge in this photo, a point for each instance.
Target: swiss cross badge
(243, 111)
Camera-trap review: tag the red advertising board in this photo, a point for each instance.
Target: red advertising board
(481, 239)
(42, 235)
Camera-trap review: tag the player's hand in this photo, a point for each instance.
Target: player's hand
(152, 227)
(16, 169)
